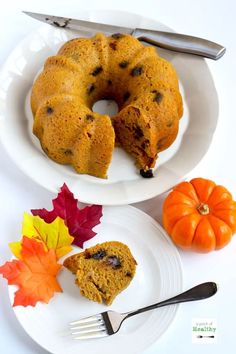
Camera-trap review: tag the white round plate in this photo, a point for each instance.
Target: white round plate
(158, 277)
(124, 184)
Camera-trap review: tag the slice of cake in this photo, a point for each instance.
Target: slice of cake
(102, 271)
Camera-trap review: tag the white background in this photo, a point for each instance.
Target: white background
(211, 19)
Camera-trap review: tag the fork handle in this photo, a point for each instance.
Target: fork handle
(181, 43)
(199, 292)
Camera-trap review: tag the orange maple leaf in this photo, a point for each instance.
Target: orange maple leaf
(35, 274)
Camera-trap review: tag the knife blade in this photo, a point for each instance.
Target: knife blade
(78, 25)
(167, 40)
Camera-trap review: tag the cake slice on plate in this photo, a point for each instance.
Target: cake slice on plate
(102, 271)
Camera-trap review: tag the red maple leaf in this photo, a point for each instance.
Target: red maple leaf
(79, 221)
(35, 274)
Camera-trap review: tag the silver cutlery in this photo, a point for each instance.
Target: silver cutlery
(167, 40)
(109, 322)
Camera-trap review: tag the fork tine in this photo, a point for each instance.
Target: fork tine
(92, 330)
(83, 323)
(88, 319)
(88, 325)
(91, 335)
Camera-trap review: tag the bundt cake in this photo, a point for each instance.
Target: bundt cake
(102, 271)
(85, 70)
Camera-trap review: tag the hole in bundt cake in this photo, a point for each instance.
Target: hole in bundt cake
(108, 107)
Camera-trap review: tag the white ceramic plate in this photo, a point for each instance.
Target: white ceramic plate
(158, 276)
(124, 185)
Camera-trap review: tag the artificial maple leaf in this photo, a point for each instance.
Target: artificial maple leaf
(35, 274)
(79, 221)
(54, 236)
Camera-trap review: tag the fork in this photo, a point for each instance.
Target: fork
(109, 322)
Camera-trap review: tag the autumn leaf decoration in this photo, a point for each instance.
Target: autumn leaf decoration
(35, 274)
(79, 221)
(47, 236)
(53, 236)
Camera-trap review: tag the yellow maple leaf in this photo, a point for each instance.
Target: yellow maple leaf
(54, 235)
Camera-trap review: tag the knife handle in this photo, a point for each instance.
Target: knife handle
(181, 43)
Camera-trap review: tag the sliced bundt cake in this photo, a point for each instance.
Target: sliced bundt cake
(85, 70)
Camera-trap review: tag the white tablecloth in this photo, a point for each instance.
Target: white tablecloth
(212, 19)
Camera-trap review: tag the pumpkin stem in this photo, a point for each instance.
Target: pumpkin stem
(203, 209)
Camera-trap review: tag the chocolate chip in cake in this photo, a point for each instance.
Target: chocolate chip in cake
(128, 274)
(126, 96)
(146, 173)
(87, 254)
(90, 117)
(123, 64)
(50, 110)
(91, 88)
(158, 97)
(100, 254)
(117, 35)
(136, 71)
(97, 71)
(138, 133)
(109, 82)
(114, 262)
(68, 152)
(145, 144)
(169, 124)
(113, 45)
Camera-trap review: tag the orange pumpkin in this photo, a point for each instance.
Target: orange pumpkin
(200, 215)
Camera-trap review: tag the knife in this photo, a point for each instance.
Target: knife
(167, 40)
